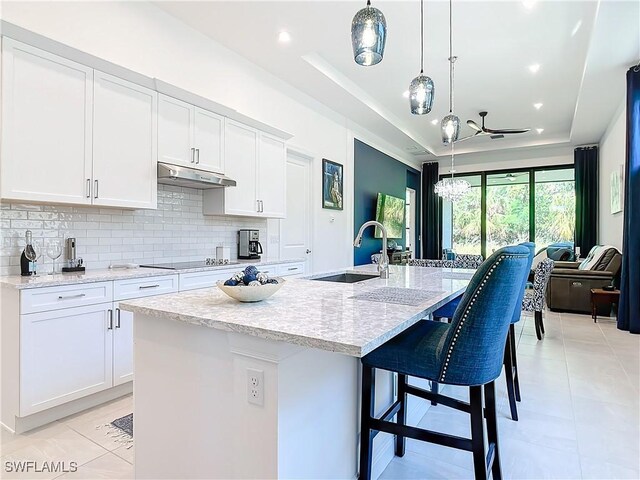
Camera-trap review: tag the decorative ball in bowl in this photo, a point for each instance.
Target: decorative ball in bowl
(250, 285)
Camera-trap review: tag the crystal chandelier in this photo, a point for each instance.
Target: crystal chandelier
(368, 35)
(450, 126)
(452, 188)
(421, 89)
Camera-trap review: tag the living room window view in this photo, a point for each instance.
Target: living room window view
(359, 240)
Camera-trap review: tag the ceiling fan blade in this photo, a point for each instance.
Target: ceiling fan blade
(506, 131)
(474, 125)
(469, 136)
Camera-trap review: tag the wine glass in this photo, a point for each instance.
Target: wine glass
(39, 248)
(54, 250)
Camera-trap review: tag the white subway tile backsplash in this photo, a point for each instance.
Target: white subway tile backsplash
(176, 231)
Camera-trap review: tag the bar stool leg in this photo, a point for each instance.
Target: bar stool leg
(514, 356)
(508, 371)
(477, 432)
(401, 418)
(367, 412)
(492, 428)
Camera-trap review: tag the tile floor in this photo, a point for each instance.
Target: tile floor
(579, 417)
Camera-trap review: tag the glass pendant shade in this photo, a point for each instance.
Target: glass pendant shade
(421, 91)
(450, 128)
(451, 188)
(368, 35)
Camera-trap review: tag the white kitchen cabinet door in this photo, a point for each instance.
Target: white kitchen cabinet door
(124, 143)
(241, 157)
(175, 131)
(272, 177)
(46, 128)
(122, 346)
(209, 141)
(64, 355)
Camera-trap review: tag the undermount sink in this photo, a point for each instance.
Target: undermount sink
(347, 277)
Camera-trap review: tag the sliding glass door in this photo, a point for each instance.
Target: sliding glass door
(555, 207)
(507, 211)
(511, 206)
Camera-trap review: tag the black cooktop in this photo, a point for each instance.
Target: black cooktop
(185, 265)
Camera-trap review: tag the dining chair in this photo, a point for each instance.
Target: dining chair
(533, 300)
(468, 352)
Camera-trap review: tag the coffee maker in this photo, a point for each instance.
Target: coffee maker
(249, 244)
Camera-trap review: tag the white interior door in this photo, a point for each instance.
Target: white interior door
(296, 228)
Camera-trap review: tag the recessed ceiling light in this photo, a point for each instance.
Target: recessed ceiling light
(537, 106)
(539, 130)
(529, 4)
(534, 68)
(434, 121)
(284, 37)
(405, 94)
(576, 28)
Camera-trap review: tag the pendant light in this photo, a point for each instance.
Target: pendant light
(368, 35)
(450, 126)
(452, 188)
(421, 89)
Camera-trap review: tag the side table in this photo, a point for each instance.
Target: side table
(600, 296)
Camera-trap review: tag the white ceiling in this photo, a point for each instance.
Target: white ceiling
(583, 48)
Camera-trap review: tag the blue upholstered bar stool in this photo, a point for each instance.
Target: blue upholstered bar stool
(468, 351)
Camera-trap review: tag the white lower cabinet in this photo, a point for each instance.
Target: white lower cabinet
(65, 354)
(122, 346)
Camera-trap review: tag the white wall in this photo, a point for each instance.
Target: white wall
(612, 157)
(143, 38)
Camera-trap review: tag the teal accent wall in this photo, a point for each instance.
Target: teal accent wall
(376, 172)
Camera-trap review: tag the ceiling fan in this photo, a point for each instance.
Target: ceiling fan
(494, 133)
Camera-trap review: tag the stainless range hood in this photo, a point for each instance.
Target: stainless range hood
(191, 177)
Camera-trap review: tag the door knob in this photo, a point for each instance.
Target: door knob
(308, 251)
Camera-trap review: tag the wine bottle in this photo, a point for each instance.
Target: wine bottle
(28, 256)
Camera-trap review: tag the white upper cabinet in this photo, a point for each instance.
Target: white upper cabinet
(47, 132)
(271, 177)
(257, 162)
(190, 136)
(124, 143)
(209, 141)
(175, 131)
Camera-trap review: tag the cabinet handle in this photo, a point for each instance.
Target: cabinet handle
(198, 156)
(88, 188)
(258, 206)
(292, 268)
(261, 203)
(193, 155)
(117, 318)
(95, 194)
(68, 297)
(110, 326)
(141, 287)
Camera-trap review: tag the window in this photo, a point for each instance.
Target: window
(462, 225)
(555, 209)
(509, 207)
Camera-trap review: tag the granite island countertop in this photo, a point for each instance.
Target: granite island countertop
(106, 274)
(318, 314)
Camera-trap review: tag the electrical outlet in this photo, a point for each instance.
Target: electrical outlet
(255, 386)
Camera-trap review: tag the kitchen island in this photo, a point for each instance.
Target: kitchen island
(267, 390)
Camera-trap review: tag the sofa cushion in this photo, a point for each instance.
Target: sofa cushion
(605, 260)
(595, 256)
(561, 254)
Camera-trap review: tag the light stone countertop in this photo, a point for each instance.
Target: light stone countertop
(105, 275)
(315, 314)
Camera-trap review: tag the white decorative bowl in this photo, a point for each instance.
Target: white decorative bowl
(253, 293)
